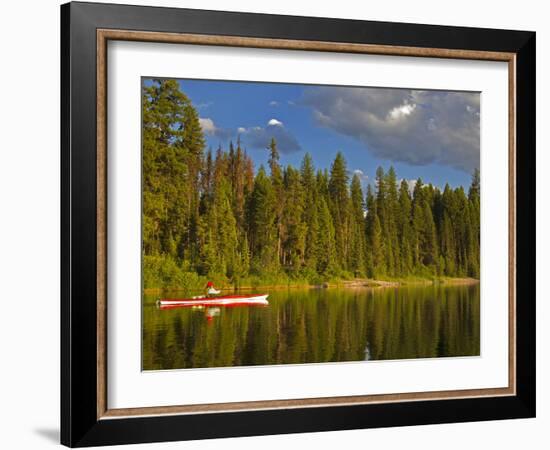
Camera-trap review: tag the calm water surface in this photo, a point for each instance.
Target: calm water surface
(316, 325)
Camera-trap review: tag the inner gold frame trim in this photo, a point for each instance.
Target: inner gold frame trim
(104, 35)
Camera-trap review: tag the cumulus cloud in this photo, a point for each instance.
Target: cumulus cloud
(411, 183)
(274, 103)
(275, 123)
(403, 110)
(260, 137)
(209, 127)
(412, 126)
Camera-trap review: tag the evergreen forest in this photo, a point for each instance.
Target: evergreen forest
(214, 216)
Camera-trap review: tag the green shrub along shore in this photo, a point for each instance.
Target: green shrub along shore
(214, 216)
(165, 275)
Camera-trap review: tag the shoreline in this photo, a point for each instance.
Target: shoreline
(407, 282)
(358, 283)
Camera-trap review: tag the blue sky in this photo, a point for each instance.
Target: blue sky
(428, 134)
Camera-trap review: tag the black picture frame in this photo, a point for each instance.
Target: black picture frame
(80, 425)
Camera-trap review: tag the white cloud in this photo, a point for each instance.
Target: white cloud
(410, 183)
(241, 130)
(275, 123)
(402, 111)
(207, 125)
(274, 103)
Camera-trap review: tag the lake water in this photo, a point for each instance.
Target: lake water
(314, 326)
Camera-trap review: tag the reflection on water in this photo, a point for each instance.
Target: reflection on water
(316, 325)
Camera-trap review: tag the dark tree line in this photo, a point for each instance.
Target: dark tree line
(209, 214)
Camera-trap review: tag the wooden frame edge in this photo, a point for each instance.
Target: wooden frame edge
(101, 222)
(512, 199)
(303, 403)
(290, 44)
(103, 36)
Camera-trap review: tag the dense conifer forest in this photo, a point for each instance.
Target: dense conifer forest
(213, 215)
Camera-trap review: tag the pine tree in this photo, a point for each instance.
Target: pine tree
(384, 213)
(429, 250)
(242, 262)
(447, 244)
(405, 235)
(207, 176)
(377, 247)
(278, 189)
(381, 195)
(310, 216)
(376, 257)
(262, 218)
(208, 254)
(321, 180)
(237, 165)
(391, 232)
(192, 141)
(339, 204)
(475, 216)
(173, 146)
(475, 189)
(417, 223)
(245, 256)
(293, 228)
(358, 241)
(426, 251)
(369, 230)
(226, 232)
(327, 258)
(462, 230)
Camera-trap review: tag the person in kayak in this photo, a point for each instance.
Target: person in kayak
(211, 290)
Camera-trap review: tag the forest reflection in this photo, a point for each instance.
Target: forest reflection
(317, 325)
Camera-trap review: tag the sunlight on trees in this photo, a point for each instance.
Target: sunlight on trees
(211, 216)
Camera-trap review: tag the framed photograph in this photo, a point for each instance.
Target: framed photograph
(276, 224)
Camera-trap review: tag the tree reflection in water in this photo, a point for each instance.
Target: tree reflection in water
(317, 325)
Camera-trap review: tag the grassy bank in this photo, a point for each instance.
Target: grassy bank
(161, 273)
(283, 282)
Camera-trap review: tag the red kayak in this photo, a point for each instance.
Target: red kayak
(224, 300)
